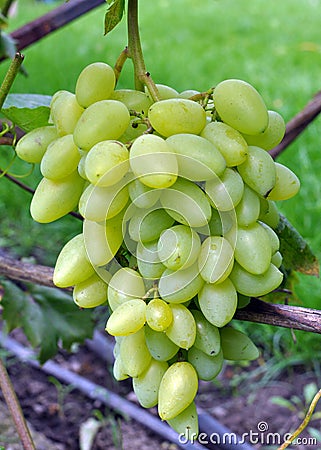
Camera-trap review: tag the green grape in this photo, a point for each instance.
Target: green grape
(273, 237)
(198, 159)
(148, 262)
(177, 389)
(220, 223)
(186, 423)
(225, 192)
(253, 249)
(207, 335)
(153, 162)
(65, 112)
(179, 286)
(146, 225)
(277, 259)
(258, 171)
(32, 146)
(81, 164)
(135, 354)
(228, 141)
(287, 184)
(125, 284)
(133, 131)
(96, 82)
(119, 370)
(272, 135)
(178, 247)
(242, 301)
(134, 100)
(207, 367)
(128, 318)
(107, 163)
(158, 314)
(91, 292)
(60, 159)
(101, 121)
(248, 210)
(146, 385)
(182, 330)
(188, 93)
(159, 345)
(237, 346)
(216, 259)
(241, 106)
(72, 265)
(218, 302)
(186, 203)
(255, 285)
(143, 196)
(269, 214)
(102, 203)
(165, 92)
(54, 199)
(177, 115)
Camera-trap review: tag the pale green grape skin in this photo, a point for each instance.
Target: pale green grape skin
(237, 346)
(248, 210)
(128, 318)
(207, 367)
(118, 370)
(65, 112)
(230, 143)
(146, 385)
(277, 259)
(198, 159)
(177, 115)
(186, 423)
(95, 82)
(153, 162)
(101, 121)
(159, 345)
(240, 105)
(216, 259)
(165, 92)
(133, 131)
(72, 265)
(272, 135)
(81, 164)
(226, 192)
(270, 216)
(91, 292)
(188, 93)
(219, 224)
(255, 285)
(32, 146)
(177, 389)
(218, 302)
(207, 335)
(60, 159)
(258, 171)
(179, 286)
(134, 353)
(287, 184)
(178, 247)
(125, 285)
(273, 237)
(253, 249)
(134, 100)
(143, 196)
(147, 225)
(54, 199)
(148, 262)
(182, 330)
(158, 315)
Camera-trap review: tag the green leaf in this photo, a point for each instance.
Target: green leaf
(280, 401)
(297, 255)
(114, 14)
(27, 111)
(47, 316)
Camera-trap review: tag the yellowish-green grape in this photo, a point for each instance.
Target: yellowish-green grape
(147, 225)
(32, 146)
(216, 259)
(258, 171)
(255, 285)
(272, 135)
(269, 213)
(158, 314)
(135, 354)
(177, 115)
(186, 423)
(188, 93)
(72, 265)
(225, 192)
(228, 141)
(207, 367)
(277, 259)
(177, 389)
(54, 199)
(159, 345)
(182, 330)
(240, 105)
(119, 370)
(81, 164)
(128, 318)
(60, 159)
(165, 92)
(146, 385)
(148, 262)
(237, 346)
(287, 184)
(65, 112)
(218, 302)
(91, 292)
(248, 210)
(207, 335)
(143, 196)
(125, 285)
(219, 224)
(95, 82)
(134, 100)
(198, 159)
(153, 162)
(101, 121)
(107, 163)
(133, 131)
(273, 237)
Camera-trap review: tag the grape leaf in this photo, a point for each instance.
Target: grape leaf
(114, 14)
(48, 316)
(27, 111)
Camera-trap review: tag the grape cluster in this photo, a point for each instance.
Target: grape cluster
(183, 190)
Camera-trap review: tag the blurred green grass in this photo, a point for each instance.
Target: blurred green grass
(276, 46)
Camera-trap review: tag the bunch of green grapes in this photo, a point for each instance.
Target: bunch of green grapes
(185, 189)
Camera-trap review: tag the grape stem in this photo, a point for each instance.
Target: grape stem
(10, 77)
(122, 58)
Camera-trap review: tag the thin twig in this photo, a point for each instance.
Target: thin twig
(10, 77)
(118, 67)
